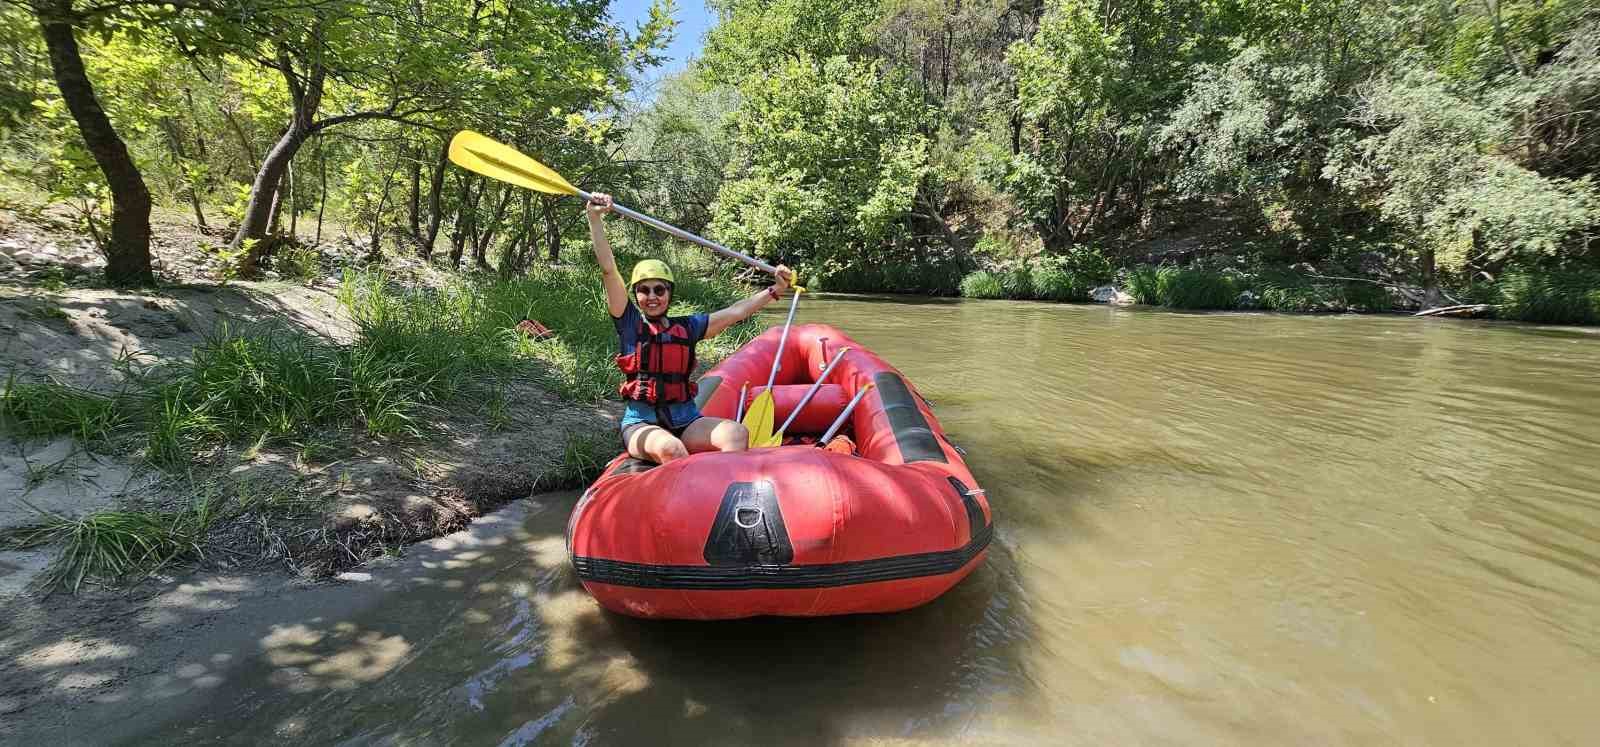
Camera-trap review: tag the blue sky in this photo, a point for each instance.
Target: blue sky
(694, 18)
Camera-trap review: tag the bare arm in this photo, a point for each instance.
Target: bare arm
(738, 312)
(616, 292)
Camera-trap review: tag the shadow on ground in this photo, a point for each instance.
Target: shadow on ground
(486, 637)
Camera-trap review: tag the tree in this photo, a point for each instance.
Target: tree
(127, 245)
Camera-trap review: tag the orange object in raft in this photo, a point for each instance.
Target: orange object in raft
(791, 530)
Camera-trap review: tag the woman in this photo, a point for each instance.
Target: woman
(661, 422)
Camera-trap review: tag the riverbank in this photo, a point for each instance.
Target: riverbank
(304, 426)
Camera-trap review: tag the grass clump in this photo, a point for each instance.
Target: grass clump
(982, 284)
(1070, 277)
(50, 408)
(1016, 282)
(583, 456)
(1182, 288)
(1287, 291)
(113, 546)
(1566, 297)
(935, 277)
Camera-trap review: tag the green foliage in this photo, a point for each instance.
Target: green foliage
(1016, 281)
(1430, 171)
(1285, 291)
(48, 409)
(830, 162)
(583, 455)
(1183, 288)
(1564, 297)
(982, 284)
(1070, 277)
(114, 545)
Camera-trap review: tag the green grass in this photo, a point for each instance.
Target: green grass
(112, 546)
(982, 284)
(1182, 288)
(583, 455)
(1071, 276)
(1563, 297)
(1016, 282)
(934, 278)
(415, 353)
(1288, 291)
(116, 546)
(50, 408)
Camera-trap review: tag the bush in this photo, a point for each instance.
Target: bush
(982, 284)
(1070, 277)
(1182, 288)
(1053, 283)
(1016, 282)
(1141, 284)
(1195, 289)
(941, 278)
(1551, 297)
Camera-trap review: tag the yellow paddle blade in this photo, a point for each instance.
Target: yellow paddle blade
(496, 160)
(758, 420)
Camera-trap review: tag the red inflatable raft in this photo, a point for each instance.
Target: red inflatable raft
(792, 530)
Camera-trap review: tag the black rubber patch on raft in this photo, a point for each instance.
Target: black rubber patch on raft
(749, 529)
(708, 386)
(976, 521)
(911, 431)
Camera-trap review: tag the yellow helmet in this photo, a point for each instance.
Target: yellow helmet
(651, 269)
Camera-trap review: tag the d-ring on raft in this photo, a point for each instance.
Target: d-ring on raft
(790, 530)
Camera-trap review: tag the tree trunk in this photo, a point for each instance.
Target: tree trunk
(275, 211)
(128, 248)
(464, 222)
(1432, 295)
(552, 230)
(248, 147)
(435, 196)
(322, 187)
(416, 193)
(305, 94)
(258, 211)
(375, 253)
(480, 251)
(175, 144)
(294, 209)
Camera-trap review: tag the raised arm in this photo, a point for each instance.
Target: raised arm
(738, 312)
(616, 292)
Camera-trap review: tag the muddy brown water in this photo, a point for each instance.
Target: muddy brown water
(1213, 528)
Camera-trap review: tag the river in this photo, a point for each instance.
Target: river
(1212, 528)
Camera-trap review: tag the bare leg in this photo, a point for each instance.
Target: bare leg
(716, 434)
(653, 443)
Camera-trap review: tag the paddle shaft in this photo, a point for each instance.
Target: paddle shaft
(843, 416)
(812, 392)
(686, 236)
(777, 360)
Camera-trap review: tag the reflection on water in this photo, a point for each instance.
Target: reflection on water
(1212, 528)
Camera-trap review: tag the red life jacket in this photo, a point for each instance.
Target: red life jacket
(658, 369)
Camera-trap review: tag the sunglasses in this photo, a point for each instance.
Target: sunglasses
(653, 290)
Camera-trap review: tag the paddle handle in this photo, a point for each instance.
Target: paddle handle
(843, 416)
(812, 392)
(686, 236)
(738, 414)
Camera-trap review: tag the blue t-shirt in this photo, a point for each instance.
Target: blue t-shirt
(680, 413)
(628, 327)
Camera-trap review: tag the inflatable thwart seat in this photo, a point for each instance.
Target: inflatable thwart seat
(791, 530)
